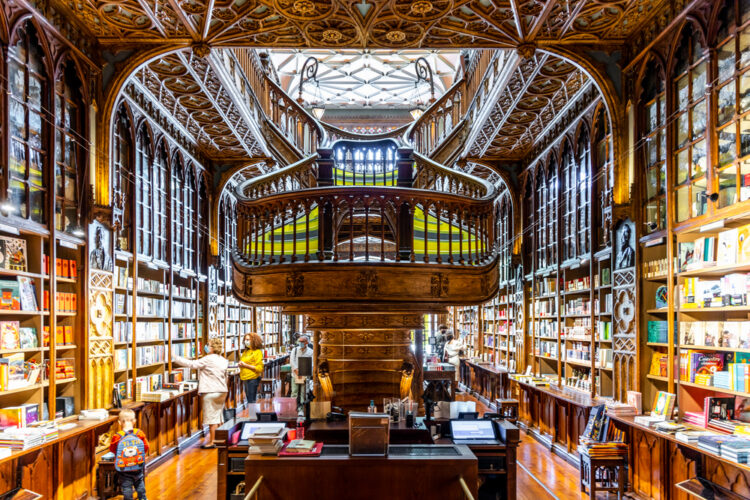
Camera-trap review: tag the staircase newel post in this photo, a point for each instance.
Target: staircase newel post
(325, 167)
(405, 166)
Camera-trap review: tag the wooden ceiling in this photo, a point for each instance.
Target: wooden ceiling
(359, 23)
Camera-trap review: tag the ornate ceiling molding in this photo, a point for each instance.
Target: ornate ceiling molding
(359, 23)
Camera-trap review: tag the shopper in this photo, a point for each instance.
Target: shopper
(453, 352)
(130, 447)
(212, 385)
(440, 340)
(251, 365)
(298, 383)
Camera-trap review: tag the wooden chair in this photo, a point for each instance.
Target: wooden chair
(603, 474)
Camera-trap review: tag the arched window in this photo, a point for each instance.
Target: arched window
(583, 159)
(604, 178)
(202, 245)
(144, 194)
(540, 202)
(27, 154)
(160, 204)
(551, 213)
(655, 148)
(177, 210)
(189, 218)
(733, 103)
(569, 175)
(69, 161)
(689, 157)
(122, 179)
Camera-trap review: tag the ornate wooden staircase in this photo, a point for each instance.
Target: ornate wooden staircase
(363, 238)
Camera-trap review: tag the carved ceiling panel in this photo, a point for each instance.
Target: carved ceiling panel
(359, 23)
(189, 90)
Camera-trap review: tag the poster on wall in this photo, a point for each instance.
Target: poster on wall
(99, 243)
(625, 245)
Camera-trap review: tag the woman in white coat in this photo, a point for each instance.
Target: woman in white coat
(453, 350)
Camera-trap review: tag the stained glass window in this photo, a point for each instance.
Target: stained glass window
(68, 137)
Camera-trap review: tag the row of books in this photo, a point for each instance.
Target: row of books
(18, 294)
(17, 373)
(657, 332)
(545, 328)
(700, 367)
(15, 336)
(64, 268)
(545, 286)
(544, 308)
(581, 327)
(65, 302)
(578, 284)
(727, 248)
(27, 437)
(150, 354)
(185, 349)
(730, 334)
(64, 368)
(655, 268)
(235, 314)
(730, 290)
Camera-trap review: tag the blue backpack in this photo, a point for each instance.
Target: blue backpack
(131, 454)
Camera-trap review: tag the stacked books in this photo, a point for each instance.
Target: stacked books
(607, 449)
(695, 418)
(736, 449)
(21, 439)
(690, 437)
(669, 427)
(266, 441)
(300, 446)
(711, 443)
(723, 426)
(619, 409)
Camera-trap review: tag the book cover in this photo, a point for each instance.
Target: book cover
(686, 255)
(15, 253)
(709, 251)
(9, 335)
(27, 294)
(9, 295)
(28, 338)
(634, 400)
(663, 404)
(743, 244)
(730, 334)
(699, 249)
(726, 251)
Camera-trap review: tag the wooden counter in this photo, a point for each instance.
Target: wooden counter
(658, 461)
(409, 472)
(338, 433)
(59, 469)
(554, 416)
(485, 381)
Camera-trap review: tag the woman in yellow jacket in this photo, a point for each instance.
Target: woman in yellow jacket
(251, 365)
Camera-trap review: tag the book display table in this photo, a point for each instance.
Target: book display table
(485, 381)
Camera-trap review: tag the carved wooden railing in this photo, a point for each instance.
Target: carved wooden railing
(459, 103)
(282, 113)
(365, 224)
(403, 208)
(300, 175)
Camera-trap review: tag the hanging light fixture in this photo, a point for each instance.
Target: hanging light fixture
(318, 112)
(416, 113)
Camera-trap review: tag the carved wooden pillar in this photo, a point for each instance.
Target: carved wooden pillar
(365, 354)
(325, 167)
(406, 231)
(404, 165)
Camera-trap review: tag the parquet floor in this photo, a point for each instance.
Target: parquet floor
(541, 475)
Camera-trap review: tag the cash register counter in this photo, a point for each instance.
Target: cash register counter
(409, 472)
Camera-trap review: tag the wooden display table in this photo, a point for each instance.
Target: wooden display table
(436, 382)
(485, 381)
(554, 416)
(661, 467)
(59, 469)
(409, 472)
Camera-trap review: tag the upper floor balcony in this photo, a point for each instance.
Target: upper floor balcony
(324, 229)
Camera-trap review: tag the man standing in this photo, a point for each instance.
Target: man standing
(302, 350)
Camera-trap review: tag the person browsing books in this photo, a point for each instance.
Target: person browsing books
(130, 447)
(302, 350)
(212, 384)
(453, 351)
(251, 365)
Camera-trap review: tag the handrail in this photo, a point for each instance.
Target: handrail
(254, 489)
(297, 176)
(297, 106)
(335, 133)
(435, 105)
(464, 486)
(426, 178)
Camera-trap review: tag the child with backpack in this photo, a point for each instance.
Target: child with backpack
(130, 447)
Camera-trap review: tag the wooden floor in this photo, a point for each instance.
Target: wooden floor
(541, 474)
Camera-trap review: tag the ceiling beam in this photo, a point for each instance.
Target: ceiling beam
(207, 16)
(517, 17)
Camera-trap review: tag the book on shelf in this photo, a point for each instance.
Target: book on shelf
(663, 404)
(28, 338)
(13, 254)
(10, 335)
(659, 361)
(726, 248)
(634, 399)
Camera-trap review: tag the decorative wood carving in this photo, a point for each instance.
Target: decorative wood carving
(295, 284)
(366, 283)
(439, 285)
(101, 342)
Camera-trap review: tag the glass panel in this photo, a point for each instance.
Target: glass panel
(663, 178)
(699, 119)
(699, 159)
(70, 186)
(663, 214)
(682, 204)
(35, 92)
(726, 102)
(744, 10)
(682, 130)
(744, 136)
(652, 182)
(653, 150)
(744, 48)
(682, 166)
(17, 83)
(744, 92)
(682, 92)
(35, 168)
(652, 116)
(663, 145)
(18, 158)
(726, 61)
(652, 213)
(699, 81)
(727, 186)
(727, 145)
(17, 119)
(36, 204)
(744, 180)
(17, 196)
(35, 130)
(700, 200)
